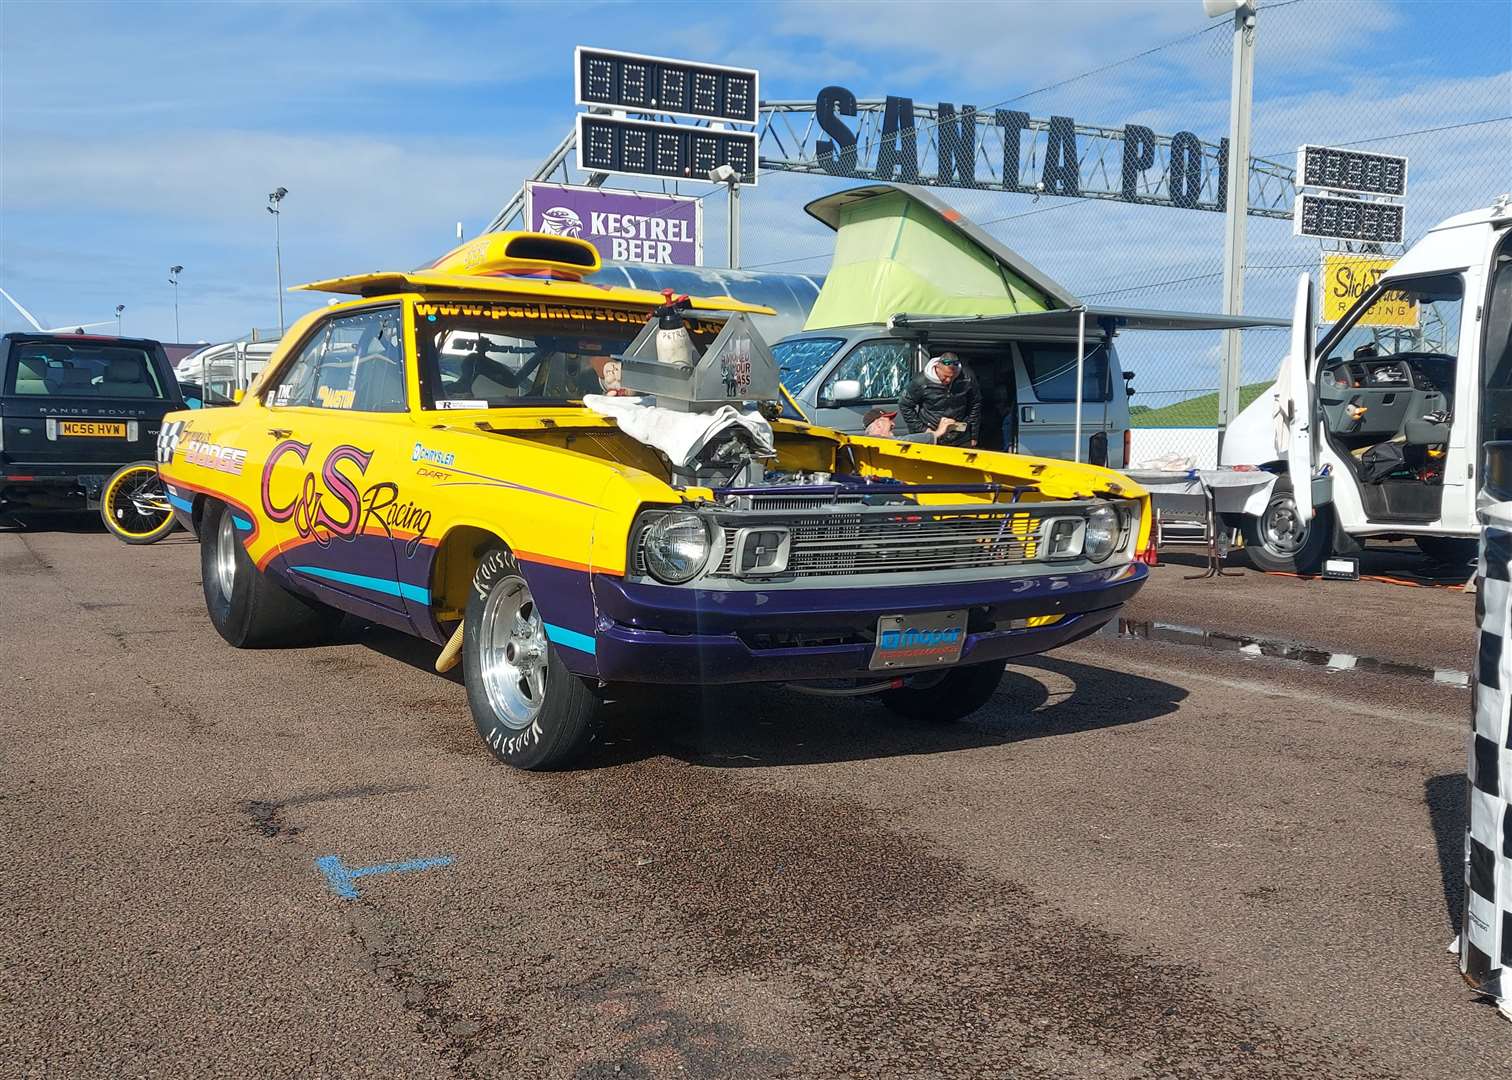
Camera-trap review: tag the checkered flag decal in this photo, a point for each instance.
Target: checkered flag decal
(1486, 943)
(168, 440)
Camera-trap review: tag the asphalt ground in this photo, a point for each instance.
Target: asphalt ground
(1146, 857)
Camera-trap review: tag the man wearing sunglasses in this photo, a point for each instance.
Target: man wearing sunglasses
(944, 401)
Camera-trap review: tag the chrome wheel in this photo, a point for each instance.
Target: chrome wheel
(225, 555)
(513, 653)
(1282, 528)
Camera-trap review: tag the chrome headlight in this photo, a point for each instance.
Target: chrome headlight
(676, 546)
(1102, 532)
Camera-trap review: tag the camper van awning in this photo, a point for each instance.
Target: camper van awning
(1099, 320)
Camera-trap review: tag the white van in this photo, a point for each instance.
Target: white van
(1389, 423)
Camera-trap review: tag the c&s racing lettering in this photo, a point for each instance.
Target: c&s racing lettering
(334, 507)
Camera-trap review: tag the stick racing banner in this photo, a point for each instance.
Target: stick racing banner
(1347, 277)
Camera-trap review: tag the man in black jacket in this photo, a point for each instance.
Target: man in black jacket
(944, 401)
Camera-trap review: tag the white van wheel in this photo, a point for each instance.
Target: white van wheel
(1280, 540)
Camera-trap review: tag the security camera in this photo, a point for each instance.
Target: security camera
(722, 174)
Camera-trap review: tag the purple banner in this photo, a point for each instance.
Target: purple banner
(625, 226)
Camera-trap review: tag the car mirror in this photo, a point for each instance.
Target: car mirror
(238, 394)
(844, 390)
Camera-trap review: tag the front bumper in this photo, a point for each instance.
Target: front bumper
(663, 634)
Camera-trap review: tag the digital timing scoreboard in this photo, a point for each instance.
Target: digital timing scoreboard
(655, 84)
(1348, 219)
(1349, 195)
(1350, 170)
(671, 151)
(613, 83)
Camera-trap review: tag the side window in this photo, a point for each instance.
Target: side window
(296, 385)
(881, 367)
(354, 362)
(1052, 371)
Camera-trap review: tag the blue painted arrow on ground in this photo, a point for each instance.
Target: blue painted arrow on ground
(342, 879)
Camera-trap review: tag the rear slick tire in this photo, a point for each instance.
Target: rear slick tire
(246, 606)
(960, 693)
(531, 712)
(1277, 541)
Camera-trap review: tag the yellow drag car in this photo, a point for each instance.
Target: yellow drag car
(468, 453)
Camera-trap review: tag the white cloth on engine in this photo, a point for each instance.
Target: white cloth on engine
(680, 435)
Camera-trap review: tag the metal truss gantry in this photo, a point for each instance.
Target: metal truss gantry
(789, 132)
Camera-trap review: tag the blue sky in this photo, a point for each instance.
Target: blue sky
(136, 136)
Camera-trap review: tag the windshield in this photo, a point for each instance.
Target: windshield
(799, 359)
(483, 356)
(82, 369)
(1419, 316)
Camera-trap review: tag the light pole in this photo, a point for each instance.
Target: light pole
(724, 174)
(274, 198)
(119, 308)
(173, 273)
(1241, 98)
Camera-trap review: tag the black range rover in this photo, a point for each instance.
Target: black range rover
(73, 409)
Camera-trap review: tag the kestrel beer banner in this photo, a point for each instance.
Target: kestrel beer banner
(1486, 939)
(625, 226)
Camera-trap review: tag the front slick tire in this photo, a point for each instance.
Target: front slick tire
(960, 693)
(247, 607)
(531, 711)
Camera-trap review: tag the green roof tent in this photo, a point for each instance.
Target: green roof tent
(899, 248)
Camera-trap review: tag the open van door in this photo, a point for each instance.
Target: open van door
(1297, 400)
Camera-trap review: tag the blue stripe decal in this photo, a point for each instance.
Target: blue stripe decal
(570, 638)
(181, 504)
(241, 523)
(362, 581)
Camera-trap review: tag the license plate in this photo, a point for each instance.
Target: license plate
(906, 641)
(96, 429)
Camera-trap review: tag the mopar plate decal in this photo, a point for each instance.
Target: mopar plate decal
(919, 640)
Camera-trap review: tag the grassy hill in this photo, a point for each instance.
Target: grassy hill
(1201, 411)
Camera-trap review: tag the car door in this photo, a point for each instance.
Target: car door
(1297, 408)
(338, 418)
(880, 368)
(1046, 399)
